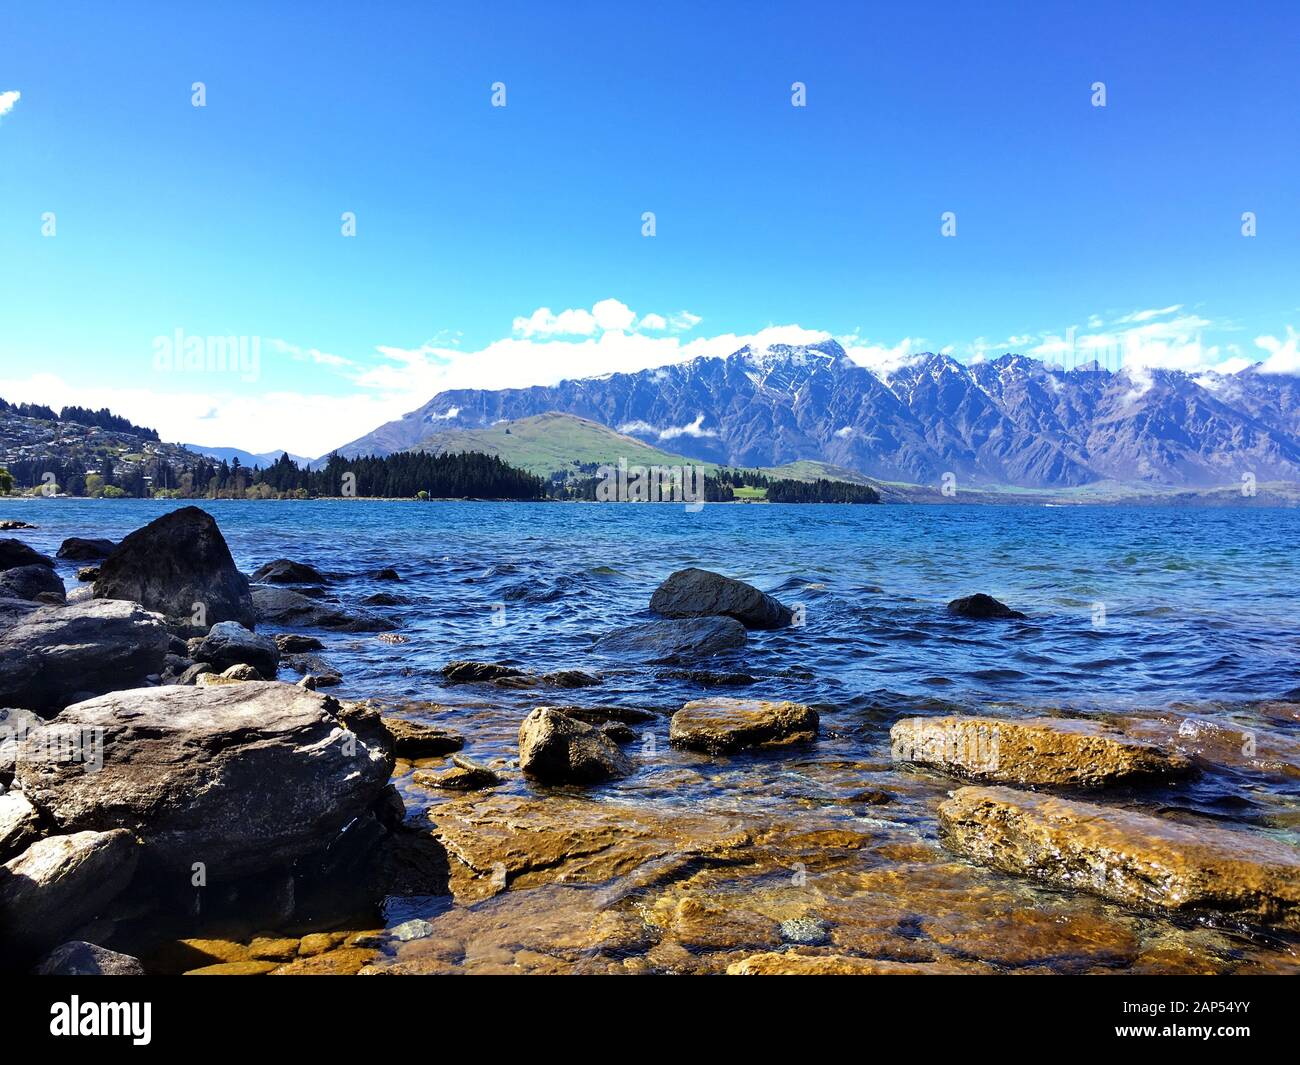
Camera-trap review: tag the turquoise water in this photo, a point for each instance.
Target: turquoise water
(1197, 603)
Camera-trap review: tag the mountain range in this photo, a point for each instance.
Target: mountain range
(1010, 421)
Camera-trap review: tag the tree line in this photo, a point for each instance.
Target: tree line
(102, 418)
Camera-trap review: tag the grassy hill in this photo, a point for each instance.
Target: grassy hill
(563, 443)
(552, 443)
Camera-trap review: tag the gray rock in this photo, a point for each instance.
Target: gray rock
(92, 647)
(325, 674)
(982, 606)
(79, 958)
(696, 593)
(228, 644)
(80, 549)
(286, 571)
(283, 606)
(14, 553)
(174, 563)
(559, 749)
(15, 724)
(32, 582)
(61, 882)
(245, 777)
(292, 643)
(19, 824)
(676, 639)
(195, 671)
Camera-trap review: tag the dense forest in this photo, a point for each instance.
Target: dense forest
(404, 475)
(820, 491)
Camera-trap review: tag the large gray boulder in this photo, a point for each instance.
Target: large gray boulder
(675, 640)
(697, 593)
(58, 653)
(283, 606)
(61, 882)
(35, 583)
(228, 644)
(245, 778)
(180, 566)
(559, 749)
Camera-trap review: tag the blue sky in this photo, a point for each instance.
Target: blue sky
(225, 219)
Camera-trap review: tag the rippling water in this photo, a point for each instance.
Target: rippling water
(1197, 603)
(1190, 614)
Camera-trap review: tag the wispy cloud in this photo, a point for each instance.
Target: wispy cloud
(7, 100)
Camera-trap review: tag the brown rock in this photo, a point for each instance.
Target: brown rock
(1035, 753)
(560, 749)
(720, 725)
(776, 964)
(1131, 858)
(415, 739)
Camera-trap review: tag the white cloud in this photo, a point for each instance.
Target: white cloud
(605, 316)
(1283, 355)
(613, 314)
(7, 101)
(696, 429)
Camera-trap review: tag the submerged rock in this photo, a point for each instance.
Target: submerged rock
(695, 593)
(560, 749)
(465, 672)
(415, 739)
(245, 777)
(37, 583)
(980, 605)
(721, 725)
(83, 649)
(293, 643)
(80, 549)
(322, 673)
(80, 958)
(228, 643)
(286, 571)
(282, 606)
(1035, 753)
(1131, 858)
(60, 883)
(464, 775)
(174, 565)
(676, 639)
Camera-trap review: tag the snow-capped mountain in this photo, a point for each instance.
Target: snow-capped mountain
(1012, 420)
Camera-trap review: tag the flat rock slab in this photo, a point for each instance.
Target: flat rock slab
(244, 777)
(1034, 753)
(523, 841)
(696, 593)
(722, 725)
(1131, 858)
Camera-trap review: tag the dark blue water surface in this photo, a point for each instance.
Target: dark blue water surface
(1197, 603)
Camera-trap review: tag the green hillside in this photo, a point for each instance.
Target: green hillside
(553, 443)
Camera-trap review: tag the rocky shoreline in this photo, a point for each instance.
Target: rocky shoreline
(171, 806)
